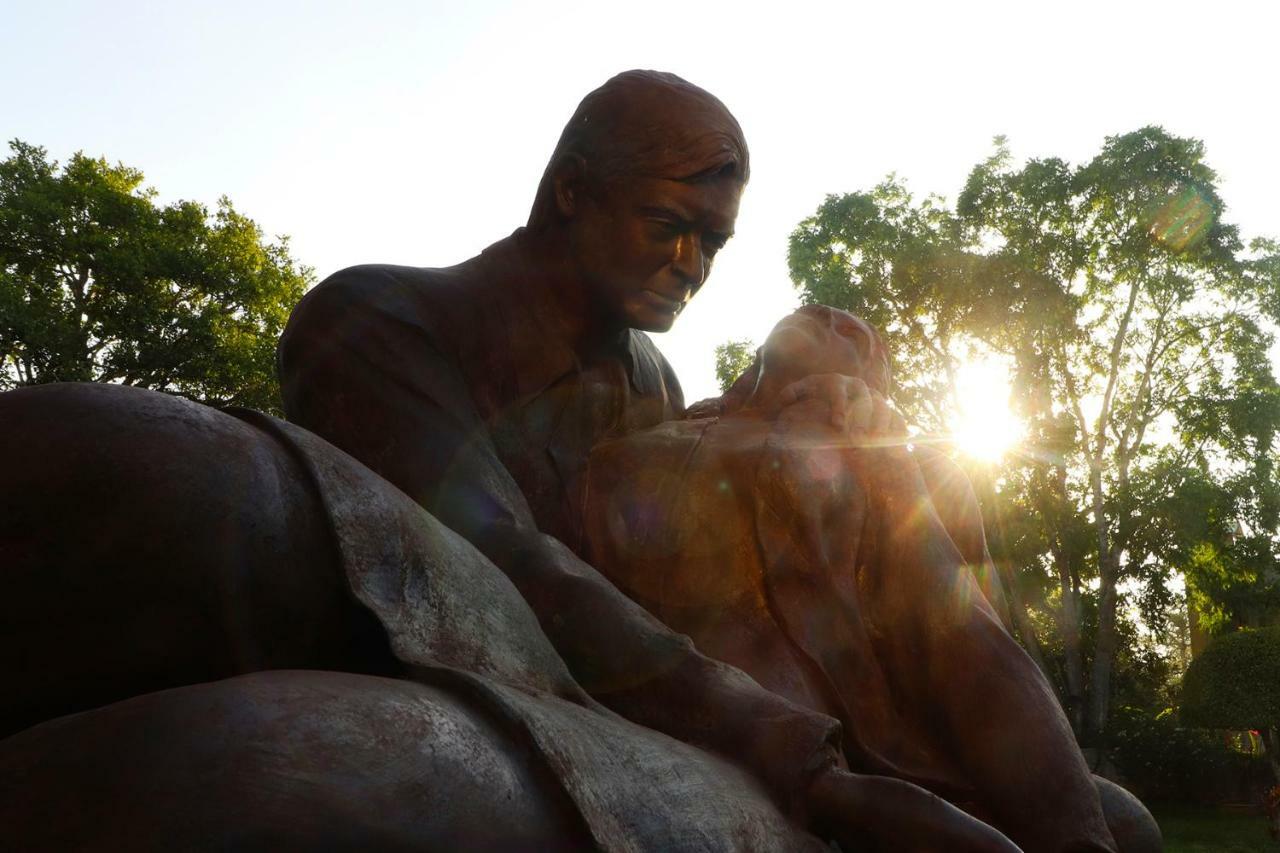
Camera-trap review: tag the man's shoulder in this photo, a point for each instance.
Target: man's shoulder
(374, 284)
(379, 326)
(355, 298)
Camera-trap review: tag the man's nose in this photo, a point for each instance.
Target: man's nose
(689, 261)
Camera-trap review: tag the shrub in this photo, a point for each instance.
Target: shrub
(1235, 682)
(1162, 762)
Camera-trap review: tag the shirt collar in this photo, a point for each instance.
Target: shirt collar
(535, 360)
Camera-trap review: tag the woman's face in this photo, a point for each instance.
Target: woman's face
(817, 339)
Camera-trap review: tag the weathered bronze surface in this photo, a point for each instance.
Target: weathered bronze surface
(492, 516)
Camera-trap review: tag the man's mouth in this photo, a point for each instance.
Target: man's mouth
(664, 302)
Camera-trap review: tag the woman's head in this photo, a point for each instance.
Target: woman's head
(819, 339)
(814, 339)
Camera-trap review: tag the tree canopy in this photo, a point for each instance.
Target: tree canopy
(1137, 326)
(732, 360)
(99, 282)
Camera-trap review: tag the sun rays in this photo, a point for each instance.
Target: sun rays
(984, 427)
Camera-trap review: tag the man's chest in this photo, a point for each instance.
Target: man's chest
(544, 439)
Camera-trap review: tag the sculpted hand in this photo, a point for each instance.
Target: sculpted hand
(899, 815)
(886, 469)
(710, 408)
(848, 403)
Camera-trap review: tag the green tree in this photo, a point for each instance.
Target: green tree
(732, 359)
(100, 283)
(1136, 321)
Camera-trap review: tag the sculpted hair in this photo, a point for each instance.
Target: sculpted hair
(648, 124)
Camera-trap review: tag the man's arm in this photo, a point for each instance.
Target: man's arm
(359, 369)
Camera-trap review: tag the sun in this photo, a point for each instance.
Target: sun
(985, 428)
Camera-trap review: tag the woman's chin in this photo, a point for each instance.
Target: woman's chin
(789, 350)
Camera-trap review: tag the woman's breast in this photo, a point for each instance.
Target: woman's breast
(671, 521)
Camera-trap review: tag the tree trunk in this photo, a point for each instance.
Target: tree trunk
(1052, 510)
(1073, 659)
(1104, 649)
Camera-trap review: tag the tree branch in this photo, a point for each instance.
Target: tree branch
(1113, 373)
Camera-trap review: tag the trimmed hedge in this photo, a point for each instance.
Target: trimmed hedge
(1235, 682)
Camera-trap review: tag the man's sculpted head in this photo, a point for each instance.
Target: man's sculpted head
(647, 124)
(643, 190)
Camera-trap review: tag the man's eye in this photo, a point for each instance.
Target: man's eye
(666, 228)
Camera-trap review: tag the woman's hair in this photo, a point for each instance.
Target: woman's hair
(648, 124)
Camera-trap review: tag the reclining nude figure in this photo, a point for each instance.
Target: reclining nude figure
(817, 563)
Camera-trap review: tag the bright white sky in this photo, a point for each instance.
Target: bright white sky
(415, 132)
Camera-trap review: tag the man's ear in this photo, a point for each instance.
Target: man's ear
(569, 180)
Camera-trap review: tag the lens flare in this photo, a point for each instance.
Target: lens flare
(1183, 220)
(985, 428)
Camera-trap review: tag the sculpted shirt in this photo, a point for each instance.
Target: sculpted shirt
(443, 382)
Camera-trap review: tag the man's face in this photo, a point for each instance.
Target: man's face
(645, 245)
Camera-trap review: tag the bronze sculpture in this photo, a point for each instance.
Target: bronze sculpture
(479, 391)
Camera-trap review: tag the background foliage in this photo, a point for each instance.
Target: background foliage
(100, 283)
(732, 360)
(1143, 505)
(1164, 762)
